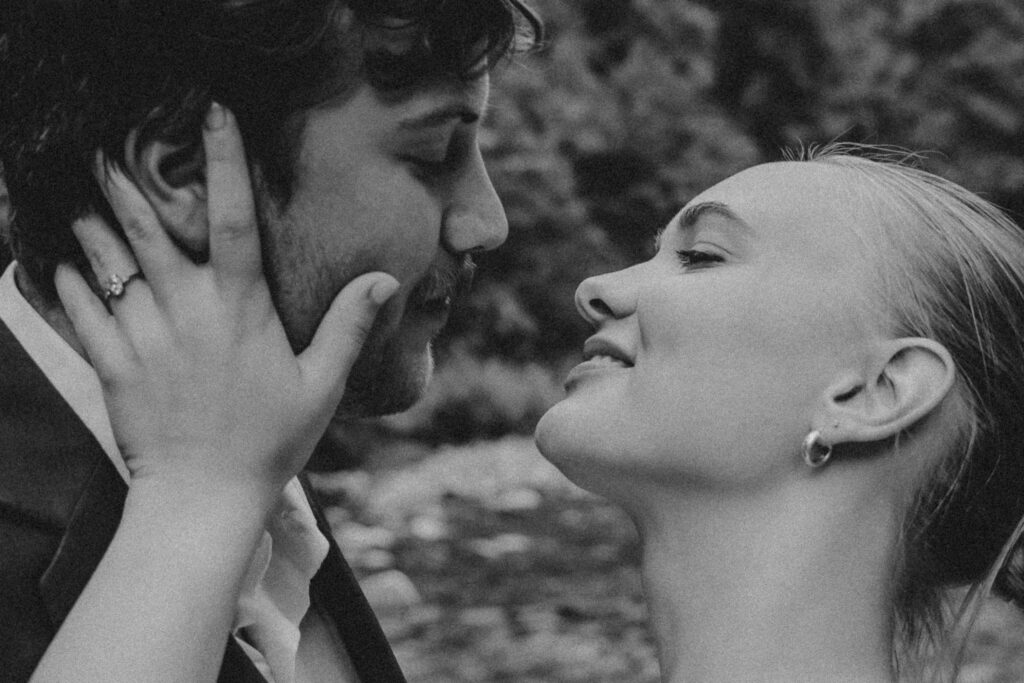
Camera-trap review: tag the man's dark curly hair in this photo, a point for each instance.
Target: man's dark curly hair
(76, 76)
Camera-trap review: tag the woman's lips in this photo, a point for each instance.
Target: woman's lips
(598, 364)
(598, 346)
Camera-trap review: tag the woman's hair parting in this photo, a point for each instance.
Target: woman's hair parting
(952, 269)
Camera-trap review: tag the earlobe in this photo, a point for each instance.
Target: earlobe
(172, 176)
(908, 380)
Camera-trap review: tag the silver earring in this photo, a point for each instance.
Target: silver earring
(815, 454)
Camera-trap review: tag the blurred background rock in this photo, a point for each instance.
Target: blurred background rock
(485, 564)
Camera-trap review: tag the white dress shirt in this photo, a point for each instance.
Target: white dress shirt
(286, 640)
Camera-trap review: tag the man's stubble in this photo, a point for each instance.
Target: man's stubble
(385, 377)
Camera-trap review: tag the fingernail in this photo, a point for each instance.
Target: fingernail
(215, 117)
(383, 289)
(63, 269)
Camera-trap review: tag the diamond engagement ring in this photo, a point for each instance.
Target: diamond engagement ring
(114, 286)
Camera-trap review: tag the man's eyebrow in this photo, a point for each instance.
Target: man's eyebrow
(440, 116)
(689, 216)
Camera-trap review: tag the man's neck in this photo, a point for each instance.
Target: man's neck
(53, 314)
(781, 586)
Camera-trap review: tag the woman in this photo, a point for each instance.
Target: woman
(809, 401)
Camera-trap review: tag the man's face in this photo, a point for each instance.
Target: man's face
(398, 187)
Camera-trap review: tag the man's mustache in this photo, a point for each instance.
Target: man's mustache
(440, 283)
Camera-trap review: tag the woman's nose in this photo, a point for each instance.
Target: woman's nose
(606, 297)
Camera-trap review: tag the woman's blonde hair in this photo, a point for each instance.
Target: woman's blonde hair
(951, 267)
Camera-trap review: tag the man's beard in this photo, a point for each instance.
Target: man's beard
(384, 379)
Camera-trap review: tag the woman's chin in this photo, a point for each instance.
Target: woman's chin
(549, 433)
(564, 439)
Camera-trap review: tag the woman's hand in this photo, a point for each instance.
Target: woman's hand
(213, 412)
(198, 376)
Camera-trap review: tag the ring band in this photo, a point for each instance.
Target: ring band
(115, 285)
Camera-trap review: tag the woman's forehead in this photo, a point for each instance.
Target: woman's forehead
(788, 203)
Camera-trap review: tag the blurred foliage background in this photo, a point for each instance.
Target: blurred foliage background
(632, 107)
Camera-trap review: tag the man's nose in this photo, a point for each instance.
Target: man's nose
(475, 219)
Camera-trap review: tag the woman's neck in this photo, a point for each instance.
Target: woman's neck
(787, 585)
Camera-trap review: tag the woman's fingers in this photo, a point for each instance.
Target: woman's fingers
(111, 260)
(160, 259)
(233, 236)
(234, 239)
(343, 330)
(121, 283)
(94, 326)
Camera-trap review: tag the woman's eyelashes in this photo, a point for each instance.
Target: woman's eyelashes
(697, 258)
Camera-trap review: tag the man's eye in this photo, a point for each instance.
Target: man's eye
(694, 258)
(429, 164)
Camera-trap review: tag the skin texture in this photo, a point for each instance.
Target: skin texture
(398, 187)
(758, 320)
(723, 349)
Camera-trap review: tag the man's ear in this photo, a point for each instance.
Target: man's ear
(903, 382)
(172, 176)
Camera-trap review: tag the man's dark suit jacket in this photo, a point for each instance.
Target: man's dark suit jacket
(60, 504)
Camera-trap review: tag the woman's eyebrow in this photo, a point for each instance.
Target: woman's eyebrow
(689, 216)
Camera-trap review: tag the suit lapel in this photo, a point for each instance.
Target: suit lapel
(334, 589)
(55, 474)
(89, 531)
(48, 454)
(54, 470)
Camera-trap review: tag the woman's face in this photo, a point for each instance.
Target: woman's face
(711, 361)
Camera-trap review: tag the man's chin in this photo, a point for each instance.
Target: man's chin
(385, 383)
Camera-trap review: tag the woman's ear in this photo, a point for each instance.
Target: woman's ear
(905, 380)
(172, 176)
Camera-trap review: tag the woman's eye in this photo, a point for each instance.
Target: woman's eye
(694, 258)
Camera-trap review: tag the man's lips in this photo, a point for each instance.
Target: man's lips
(436, 291)
(438, 304)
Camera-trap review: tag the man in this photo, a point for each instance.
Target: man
(360, 125)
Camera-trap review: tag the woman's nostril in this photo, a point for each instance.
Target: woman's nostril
(601, 307)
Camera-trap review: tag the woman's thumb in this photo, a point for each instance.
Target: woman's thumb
(344, 329)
